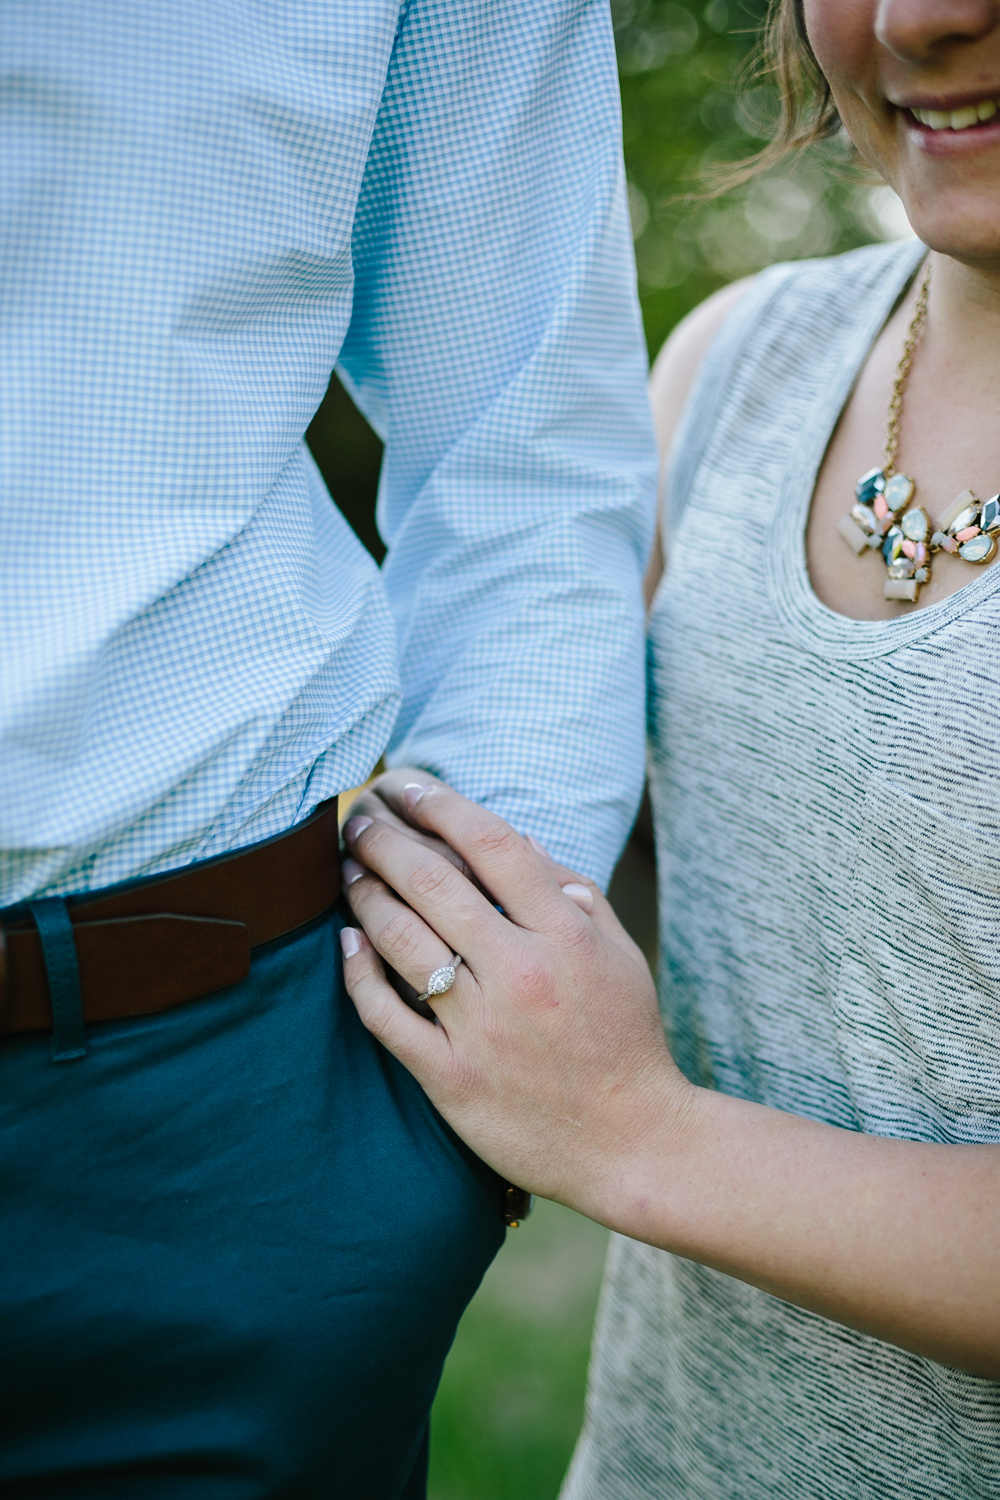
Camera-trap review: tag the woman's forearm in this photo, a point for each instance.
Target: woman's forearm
(899, 1239)
(550, 1060)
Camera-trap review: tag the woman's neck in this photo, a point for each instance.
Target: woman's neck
(964, 310)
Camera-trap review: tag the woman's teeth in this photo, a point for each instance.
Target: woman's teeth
(957, 119)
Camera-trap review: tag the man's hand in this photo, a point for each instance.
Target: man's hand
(548, 1054)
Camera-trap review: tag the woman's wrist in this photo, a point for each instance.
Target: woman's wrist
(643, 1186)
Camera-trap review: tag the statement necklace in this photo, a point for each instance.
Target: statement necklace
(883, 517)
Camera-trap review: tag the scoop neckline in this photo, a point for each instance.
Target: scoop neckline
(812, 623)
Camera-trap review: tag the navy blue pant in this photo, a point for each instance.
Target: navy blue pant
(235, 1241)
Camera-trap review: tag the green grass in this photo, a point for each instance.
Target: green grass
(510, 1404)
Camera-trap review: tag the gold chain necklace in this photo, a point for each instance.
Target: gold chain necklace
(883, 518)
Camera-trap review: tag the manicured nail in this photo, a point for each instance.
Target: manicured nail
(351, 872)
(538, 847)
(350, 941)
(412, 793)
(579, 894)
(354, 826)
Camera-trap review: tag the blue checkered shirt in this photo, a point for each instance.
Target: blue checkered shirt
(205, 206)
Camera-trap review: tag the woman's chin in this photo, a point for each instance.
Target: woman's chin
(949, 223)
(949, 184)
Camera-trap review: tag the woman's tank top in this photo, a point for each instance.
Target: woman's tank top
(827, 799)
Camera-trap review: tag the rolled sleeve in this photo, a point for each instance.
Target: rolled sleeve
(497, 345)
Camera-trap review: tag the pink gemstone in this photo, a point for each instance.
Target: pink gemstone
(949, 544)
(966, 534)
(910, 548)
(881, 509)
(920, 554)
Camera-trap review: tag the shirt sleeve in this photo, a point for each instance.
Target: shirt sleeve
(496, 345)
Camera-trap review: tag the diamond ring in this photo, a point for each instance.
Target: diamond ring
(442, 979)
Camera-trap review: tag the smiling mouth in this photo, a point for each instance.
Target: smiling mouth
(958, 119)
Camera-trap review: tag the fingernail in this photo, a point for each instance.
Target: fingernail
(579, 894)
(351, 871)
(538, 847)
(412, 793)
(350, 941)
(354, 826)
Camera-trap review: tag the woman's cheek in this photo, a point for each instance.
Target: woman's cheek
(842, 36)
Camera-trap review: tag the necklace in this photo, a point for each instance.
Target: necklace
(883, 517)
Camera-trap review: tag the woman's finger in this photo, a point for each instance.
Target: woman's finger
(394, 791)
(589, 897)
(422, 1048)
(391, 785)
(370, 803)
(523, 879)
(395, 930)
(450, 904)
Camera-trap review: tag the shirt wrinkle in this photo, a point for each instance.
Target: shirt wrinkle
(205, 208)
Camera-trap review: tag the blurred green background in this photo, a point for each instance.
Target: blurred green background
(511, 1400)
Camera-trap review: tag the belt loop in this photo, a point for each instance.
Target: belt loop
(55, 930)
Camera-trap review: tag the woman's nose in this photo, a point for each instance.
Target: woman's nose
(914, 30)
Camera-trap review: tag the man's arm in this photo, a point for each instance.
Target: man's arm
(496, 344)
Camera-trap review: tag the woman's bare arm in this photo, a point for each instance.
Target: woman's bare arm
(550, 1060)
(670, 382)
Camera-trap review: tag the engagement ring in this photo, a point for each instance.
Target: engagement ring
(442, 979)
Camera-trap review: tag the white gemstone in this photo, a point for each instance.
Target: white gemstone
(979, 549)
(966, 517)
(914, 524)
(961, 502)
(853, 535)
(441, 980)
(898, 490)
(901, 588)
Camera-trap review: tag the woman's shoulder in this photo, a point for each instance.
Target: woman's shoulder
(764, 330)
(680, 358)
(793, 296)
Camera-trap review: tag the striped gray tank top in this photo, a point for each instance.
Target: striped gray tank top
(827, 799)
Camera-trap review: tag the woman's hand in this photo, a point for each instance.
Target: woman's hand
(548, 1056)
(383, 799)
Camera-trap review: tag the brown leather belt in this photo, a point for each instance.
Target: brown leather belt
(148, 945)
